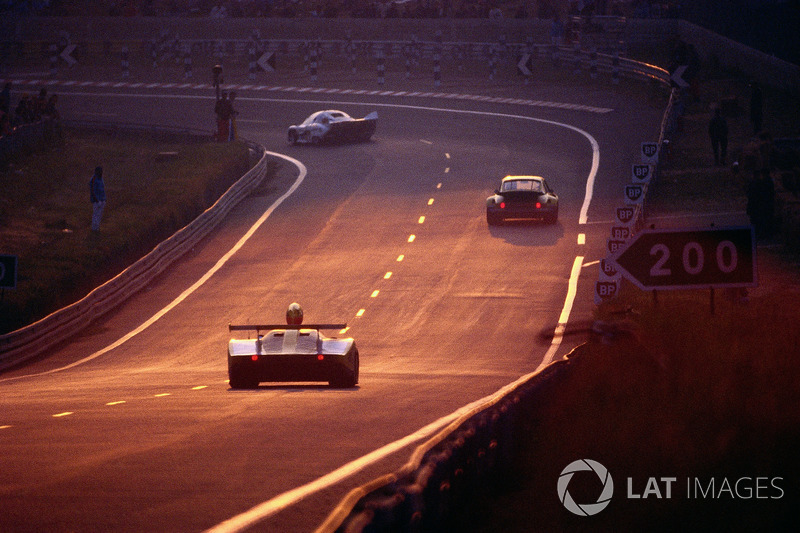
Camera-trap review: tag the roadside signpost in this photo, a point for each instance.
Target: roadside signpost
(704, 258)
(649, 153)
(641, 173)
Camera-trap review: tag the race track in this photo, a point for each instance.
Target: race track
(389, 236)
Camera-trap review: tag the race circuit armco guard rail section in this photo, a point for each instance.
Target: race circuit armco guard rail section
(32, 340)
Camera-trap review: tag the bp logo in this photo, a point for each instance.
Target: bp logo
(585, 509)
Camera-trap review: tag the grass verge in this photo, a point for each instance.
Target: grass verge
(155, 185)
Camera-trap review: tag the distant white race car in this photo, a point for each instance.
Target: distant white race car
(333, 126)
(291, 353)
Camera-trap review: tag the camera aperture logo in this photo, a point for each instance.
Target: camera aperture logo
(585, 509)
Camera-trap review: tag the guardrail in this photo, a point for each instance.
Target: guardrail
(29, 341)
(475, 451)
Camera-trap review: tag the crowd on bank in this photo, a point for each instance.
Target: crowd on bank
(33, 120)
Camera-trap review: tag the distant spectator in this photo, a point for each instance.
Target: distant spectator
(5, 98)
(50, 110)
(23, 114)
(5, 123)
(39, 104)
(97, 196)
(718, 133)
(232, 129)
(224, 111)
(557, 31)
(761, 203)
(756, 107)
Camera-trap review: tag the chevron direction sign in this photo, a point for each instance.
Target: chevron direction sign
(689, 259)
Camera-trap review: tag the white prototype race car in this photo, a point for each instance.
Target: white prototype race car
(333, 126)
(291, 353)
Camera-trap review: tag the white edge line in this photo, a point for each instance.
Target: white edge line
(284, 500)
(199, 283)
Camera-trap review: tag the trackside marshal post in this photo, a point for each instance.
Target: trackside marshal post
(689, 259)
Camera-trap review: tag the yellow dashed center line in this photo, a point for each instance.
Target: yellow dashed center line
(161, 395)
(581, 238)
(360, 312)
(118, 402)
(65, 413)
(374, 293)
(400, 257)
(199, 387)
(387, 275)
(421, 219)
(430, 202)
(5, 427)
(411, 238)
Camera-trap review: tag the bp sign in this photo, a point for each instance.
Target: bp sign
(8, 271)
(689, 259)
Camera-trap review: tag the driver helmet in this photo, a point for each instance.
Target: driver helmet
(294, 315)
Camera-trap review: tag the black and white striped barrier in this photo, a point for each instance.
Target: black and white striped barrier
(125, 63)
(187, 62)
(53, 50)
(312, 62)
(381, 65)
(252, 62)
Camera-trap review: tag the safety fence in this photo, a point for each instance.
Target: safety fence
(471, 457)
(32, 340)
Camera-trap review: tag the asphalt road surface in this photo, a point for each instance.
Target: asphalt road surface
(389, 236)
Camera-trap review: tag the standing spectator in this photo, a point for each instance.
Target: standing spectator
(756, 107)
(97, 195)
(232, 130)
(223, 110)
(5, 98)
(39, 104)
(718, 132)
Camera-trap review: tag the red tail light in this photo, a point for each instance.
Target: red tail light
(254, 358)
(320, 357)
(538, 205)
(502, 205)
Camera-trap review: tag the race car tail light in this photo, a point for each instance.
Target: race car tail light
(538, 205)
(320, 357)
(254, 358)
(502, 205)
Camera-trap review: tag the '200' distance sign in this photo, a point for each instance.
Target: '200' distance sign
(689, 259)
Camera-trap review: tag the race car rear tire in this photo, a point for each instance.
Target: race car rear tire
(292, 137)
(242, 382)
(346, 379)
(493, 219)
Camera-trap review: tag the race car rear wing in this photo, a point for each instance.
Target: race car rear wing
(263, 327)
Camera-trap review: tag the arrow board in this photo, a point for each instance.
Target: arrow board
(524, 65)
(689, 259)
(267, 62)
(676, 78)
(66, 54)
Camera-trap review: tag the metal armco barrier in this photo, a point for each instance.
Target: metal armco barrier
(475, 452)
(32, 340)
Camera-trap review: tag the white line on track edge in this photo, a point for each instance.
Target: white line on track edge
(199, 283)
(282, 501)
